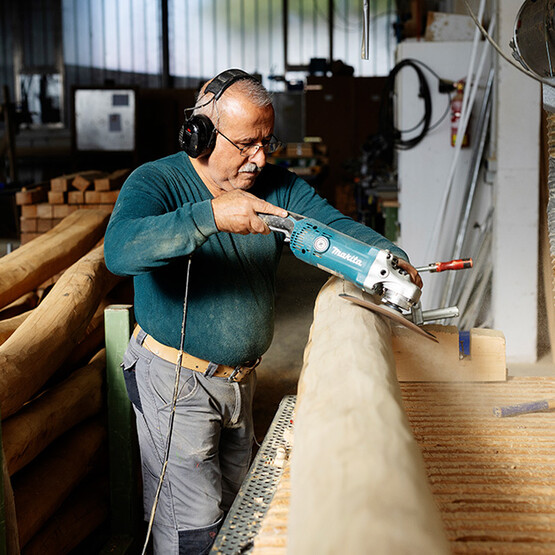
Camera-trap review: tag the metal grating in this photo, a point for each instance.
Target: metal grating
(245, 516)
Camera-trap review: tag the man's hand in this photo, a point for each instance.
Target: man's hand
(414, 275)
(236, 212)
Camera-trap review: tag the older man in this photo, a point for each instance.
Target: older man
(201, 206)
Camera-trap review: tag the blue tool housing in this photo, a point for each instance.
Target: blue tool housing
(332, 251)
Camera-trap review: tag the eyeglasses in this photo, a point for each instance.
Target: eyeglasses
(268, 147)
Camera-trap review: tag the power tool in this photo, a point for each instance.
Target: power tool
(373, 270)
(369, 268)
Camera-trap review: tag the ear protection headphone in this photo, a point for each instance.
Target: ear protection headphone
(198, 134)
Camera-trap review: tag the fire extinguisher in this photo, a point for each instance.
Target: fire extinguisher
(456, 107)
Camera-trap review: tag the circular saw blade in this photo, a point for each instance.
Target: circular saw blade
(389, 313)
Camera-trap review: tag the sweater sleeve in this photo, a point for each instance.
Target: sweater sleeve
(303, 199)
(150, 226)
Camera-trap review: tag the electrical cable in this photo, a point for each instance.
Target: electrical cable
(387, 129)
(497, 48)
(174, 404)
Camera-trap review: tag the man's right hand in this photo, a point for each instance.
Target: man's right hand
(236, 212)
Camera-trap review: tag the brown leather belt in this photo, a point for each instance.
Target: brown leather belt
(170, 354)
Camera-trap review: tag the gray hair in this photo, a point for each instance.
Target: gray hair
(251, 89)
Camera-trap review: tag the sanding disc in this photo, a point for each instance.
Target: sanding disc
(391, 314)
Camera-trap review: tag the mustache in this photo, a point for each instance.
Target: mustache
(250, 167)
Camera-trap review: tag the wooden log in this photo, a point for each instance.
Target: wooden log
(80, 515)
(46, 224)
(92, 197)
(31, 196)
(27, 267)
(76, 197)
(85, 180)
(57, 197)
(28, 225)
(8, 326)
(63, 210)
(44, 211)
(419, 360)
(111, 182)
(39, 423)
(38, 347)
(42, 487)
(29, 211)
(9, 516)
(23, 304)
(62, 183)
(358, 481)
(86, 349)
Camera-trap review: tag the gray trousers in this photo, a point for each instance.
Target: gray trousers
(210, 448)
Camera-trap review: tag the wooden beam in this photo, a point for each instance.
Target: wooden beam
(27, 267)
(420, 360)
(358, 481)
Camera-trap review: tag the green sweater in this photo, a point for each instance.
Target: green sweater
(163, 214)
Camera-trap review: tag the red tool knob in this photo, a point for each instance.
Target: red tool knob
(454, 265)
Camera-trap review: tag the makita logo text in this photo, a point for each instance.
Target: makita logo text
(349, 257)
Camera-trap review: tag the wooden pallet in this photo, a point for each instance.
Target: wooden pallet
(492, 478)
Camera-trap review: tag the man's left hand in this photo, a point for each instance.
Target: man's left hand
(413, 273)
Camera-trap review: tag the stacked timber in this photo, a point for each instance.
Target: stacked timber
(52, 368)
(45, 205)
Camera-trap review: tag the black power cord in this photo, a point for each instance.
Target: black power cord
(389, 132)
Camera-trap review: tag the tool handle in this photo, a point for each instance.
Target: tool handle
(459, 264)
(523, 408)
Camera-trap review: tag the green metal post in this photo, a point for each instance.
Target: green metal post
(391, 215)
(122, 436)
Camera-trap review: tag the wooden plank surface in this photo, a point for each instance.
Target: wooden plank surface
(492, 478)
(419, 359)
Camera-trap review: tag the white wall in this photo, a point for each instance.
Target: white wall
(515, 251)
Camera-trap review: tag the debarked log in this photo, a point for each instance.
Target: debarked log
(28, 432)
(9, 516)
(8, 327)
(358, 481)
(39, 345)
(27, 267)
(26, 302)
(42, 487)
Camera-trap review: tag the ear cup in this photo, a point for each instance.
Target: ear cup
(197, 136)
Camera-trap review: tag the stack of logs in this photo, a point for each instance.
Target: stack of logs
(45, 205)
(52, 367)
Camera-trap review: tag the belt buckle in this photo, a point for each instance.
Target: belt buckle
(248, 369)
(231, 377)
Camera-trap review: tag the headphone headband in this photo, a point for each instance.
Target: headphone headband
(224, 80)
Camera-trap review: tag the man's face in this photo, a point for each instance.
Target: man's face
(245, 124)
